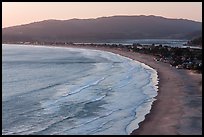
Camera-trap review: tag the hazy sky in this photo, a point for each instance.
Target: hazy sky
(16, 13)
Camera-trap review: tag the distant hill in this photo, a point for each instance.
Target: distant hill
(197, 41)
(103, 28)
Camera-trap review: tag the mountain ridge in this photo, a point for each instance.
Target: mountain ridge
(102, 28)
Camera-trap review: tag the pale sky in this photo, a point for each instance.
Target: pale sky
(16, 13)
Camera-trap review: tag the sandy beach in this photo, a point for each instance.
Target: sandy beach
(178, 108)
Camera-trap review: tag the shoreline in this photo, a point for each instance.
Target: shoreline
(170, 113)
(178, 106)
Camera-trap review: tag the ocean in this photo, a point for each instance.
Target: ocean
(69, 91)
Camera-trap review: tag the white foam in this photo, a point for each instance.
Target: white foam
(127, 87)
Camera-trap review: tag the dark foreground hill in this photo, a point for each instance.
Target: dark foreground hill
(103, 29)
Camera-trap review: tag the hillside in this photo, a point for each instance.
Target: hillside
(197, 41)
(102, 29)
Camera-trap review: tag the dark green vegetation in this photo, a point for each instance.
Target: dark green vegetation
(196, 41)
(186, 58)
(181, 58)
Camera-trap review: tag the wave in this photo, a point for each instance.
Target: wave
(114, 94)
(92, 120)
(86, 86)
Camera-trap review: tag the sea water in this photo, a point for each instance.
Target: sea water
(73, 91)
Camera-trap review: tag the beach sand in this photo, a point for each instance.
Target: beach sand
(178, 108)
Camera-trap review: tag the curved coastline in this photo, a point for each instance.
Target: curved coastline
(178, 91)
(134, 124)
(145, 106)
(172, 112)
